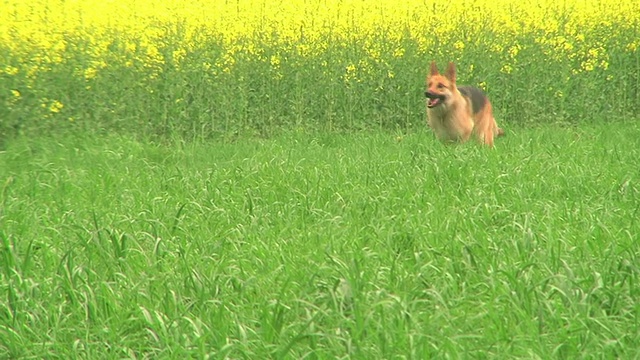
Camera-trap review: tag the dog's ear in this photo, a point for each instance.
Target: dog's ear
(451, 72)
(434, 69)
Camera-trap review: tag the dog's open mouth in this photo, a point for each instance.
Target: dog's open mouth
(433, 100)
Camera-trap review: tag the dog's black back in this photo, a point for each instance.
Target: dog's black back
(477, 97)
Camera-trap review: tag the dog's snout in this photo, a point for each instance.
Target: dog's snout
(432, 95)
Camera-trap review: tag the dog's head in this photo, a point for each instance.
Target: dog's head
(440, 87)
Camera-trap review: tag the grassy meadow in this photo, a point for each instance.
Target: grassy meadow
(255, 180)
(362, 245)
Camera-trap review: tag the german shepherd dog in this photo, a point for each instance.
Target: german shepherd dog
(455, 112)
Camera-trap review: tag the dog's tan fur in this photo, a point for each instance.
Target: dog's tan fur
(452, 116)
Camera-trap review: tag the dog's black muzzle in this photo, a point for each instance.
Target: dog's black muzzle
(430, 95)
(434, 99)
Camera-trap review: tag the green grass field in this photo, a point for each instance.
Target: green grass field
(369, 245)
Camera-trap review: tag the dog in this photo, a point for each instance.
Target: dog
(455, 112)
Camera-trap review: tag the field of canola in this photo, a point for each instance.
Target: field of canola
(199, 68)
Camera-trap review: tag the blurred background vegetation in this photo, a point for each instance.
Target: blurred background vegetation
(209, 69)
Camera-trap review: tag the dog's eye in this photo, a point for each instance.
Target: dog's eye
(441, 86)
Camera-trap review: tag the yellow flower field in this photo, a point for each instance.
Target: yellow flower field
(39, 31)
(357, 42)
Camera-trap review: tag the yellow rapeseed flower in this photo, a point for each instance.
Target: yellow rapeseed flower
(55, 106)
(90, 73)
(11, 70)
(458, 45)
(398, 52)
(350, 73)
